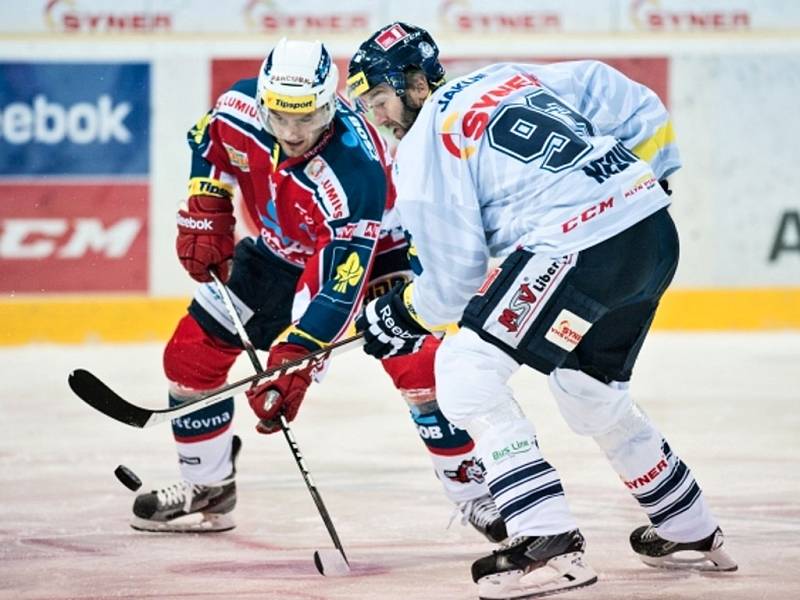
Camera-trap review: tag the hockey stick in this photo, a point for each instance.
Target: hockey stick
(99, 396)
(332, 563)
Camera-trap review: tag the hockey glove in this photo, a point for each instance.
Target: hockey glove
(389, 329)
(290, 389)
(205, 237)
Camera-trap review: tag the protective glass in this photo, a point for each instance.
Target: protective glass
(285, 125)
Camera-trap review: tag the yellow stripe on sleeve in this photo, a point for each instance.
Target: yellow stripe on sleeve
(663, 136)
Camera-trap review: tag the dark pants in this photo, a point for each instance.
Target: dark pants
(589, 311)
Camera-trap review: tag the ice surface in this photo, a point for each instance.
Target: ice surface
(729, 404)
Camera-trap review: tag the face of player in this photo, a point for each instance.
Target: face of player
(390, 111)
(298, 132)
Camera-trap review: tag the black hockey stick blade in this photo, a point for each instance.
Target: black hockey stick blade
(99, 396)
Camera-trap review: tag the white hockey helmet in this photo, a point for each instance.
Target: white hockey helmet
(297, 77)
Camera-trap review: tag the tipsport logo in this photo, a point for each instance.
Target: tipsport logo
(74, 119)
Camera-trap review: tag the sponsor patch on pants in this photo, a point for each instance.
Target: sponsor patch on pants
(567, 330)
(525, 298)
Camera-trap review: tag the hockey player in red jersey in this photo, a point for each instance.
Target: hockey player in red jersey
(313, 175)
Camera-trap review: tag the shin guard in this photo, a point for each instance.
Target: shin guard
(451, 451)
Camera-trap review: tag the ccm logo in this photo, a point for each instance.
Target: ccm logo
(64, 238)
(587, 215)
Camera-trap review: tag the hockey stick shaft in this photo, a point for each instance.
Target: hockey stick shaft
(287, 432)
(99, 396)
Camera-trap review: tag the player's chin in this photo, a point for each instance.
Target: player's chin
(293, 149)
(399, 132)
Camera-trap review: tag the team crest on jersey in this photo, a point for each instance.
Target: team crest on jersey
(237, 158)
(348, 274)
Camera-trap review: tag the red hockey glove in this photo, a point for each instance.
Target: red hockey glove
(205, 237)
(291, 389)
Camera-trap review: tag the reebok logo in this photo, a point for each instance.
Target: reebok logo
(195, 224)
(49, 122)
(388, 320)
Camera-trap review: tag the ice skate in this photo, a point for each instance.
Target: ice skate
(185, 507)
(483, 515)
(703, 555)
(531, 567)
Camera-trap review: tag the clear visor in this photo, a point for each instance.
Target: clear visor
(288, 125)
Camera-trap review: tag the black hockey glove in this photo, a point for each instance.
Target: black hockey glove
(389, 329)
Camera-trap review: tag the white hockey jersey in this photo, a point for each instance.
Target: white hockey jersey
(520, 155)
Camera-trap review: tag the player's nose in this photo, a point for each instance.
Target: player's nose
(380, 116)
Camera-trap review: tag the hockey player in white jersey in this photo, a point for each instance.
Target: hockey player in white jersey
(560, 170)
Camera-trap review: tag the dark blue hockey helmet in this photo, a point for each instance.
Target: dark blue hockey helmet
(388, 54)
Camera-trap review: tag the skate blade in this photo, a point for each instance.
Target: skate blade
(560, 574)
(209, 523)
(713, 560)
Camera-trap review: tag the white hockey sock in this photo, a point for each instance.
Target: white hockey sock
(203, 439)
(658, 479)
(525, 487)
(207, 461)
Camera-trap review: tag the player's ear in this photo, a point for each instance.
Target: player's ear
(420, 82)
(417, 86)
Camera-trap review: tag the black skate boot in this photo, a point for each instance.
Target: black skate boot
(162, 510)
(703, 555)
(483, 515)
(531, 567)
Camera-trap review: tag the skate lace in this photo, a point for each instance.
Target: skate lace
(178, 493)
(511, 542)
(479, 511)
(650, 535)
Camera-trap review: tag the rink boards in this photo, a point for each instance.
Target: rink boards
(93, 163)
